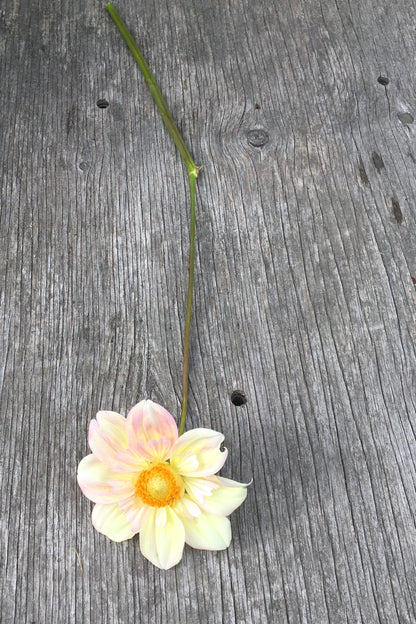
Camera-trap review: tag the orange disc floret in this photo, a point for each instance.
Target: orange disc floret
(159, 486)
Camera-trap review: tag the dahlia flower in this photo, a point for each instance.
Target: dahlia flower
(145, 479)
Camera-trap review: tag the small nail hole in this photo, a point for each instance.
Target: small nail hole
(406, 118)
(383, 80)
(238, 398)
(102, 103)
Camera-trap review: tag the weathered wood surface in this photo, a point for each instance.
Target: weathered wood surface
(305, 299)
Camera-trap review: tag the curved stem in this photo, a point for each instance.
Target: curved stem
(193, 171)
(155, 90)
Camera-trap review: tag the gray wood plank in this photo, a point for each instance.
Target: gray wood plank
(302, 115)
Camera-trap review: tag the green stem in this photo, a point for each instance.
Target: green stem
(187, 335)
(193, 171)
(154, 88)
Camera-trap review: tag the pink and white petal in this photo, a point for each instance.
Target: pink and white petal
(162, 545)
(150, 421)
(205, 445)
(158, 422)
(200, 487)
(185, 507)
(224, 500)
(129, 460)
(106, 436)
(159, 449)
(134, 423)
(112, 522)
(136, 512)
(207, 532)
(114, 427)
(99, 484)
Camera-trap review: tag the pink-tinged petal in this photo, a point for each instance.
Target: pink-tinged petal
(134, 423)
(106, 436)
(199, 488)
(113, 425)
(185, 507)
(100, 485)
(149, 421)
(207, 532)
(160, 449)
(162, 538)
(136, 512)
(205, 445)
(129, 460)
(224, 500)
(112, 522)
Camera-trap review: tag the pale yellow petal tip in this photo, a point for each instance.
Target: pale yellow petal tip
(231, 483)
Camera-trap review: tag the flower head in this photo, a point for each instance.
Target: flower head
(145, 479)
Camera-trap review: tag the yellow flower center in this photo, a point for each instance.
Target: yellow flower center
(159, 486)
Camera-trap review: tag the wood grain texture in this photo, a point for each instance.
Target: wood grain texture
(302, 115)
